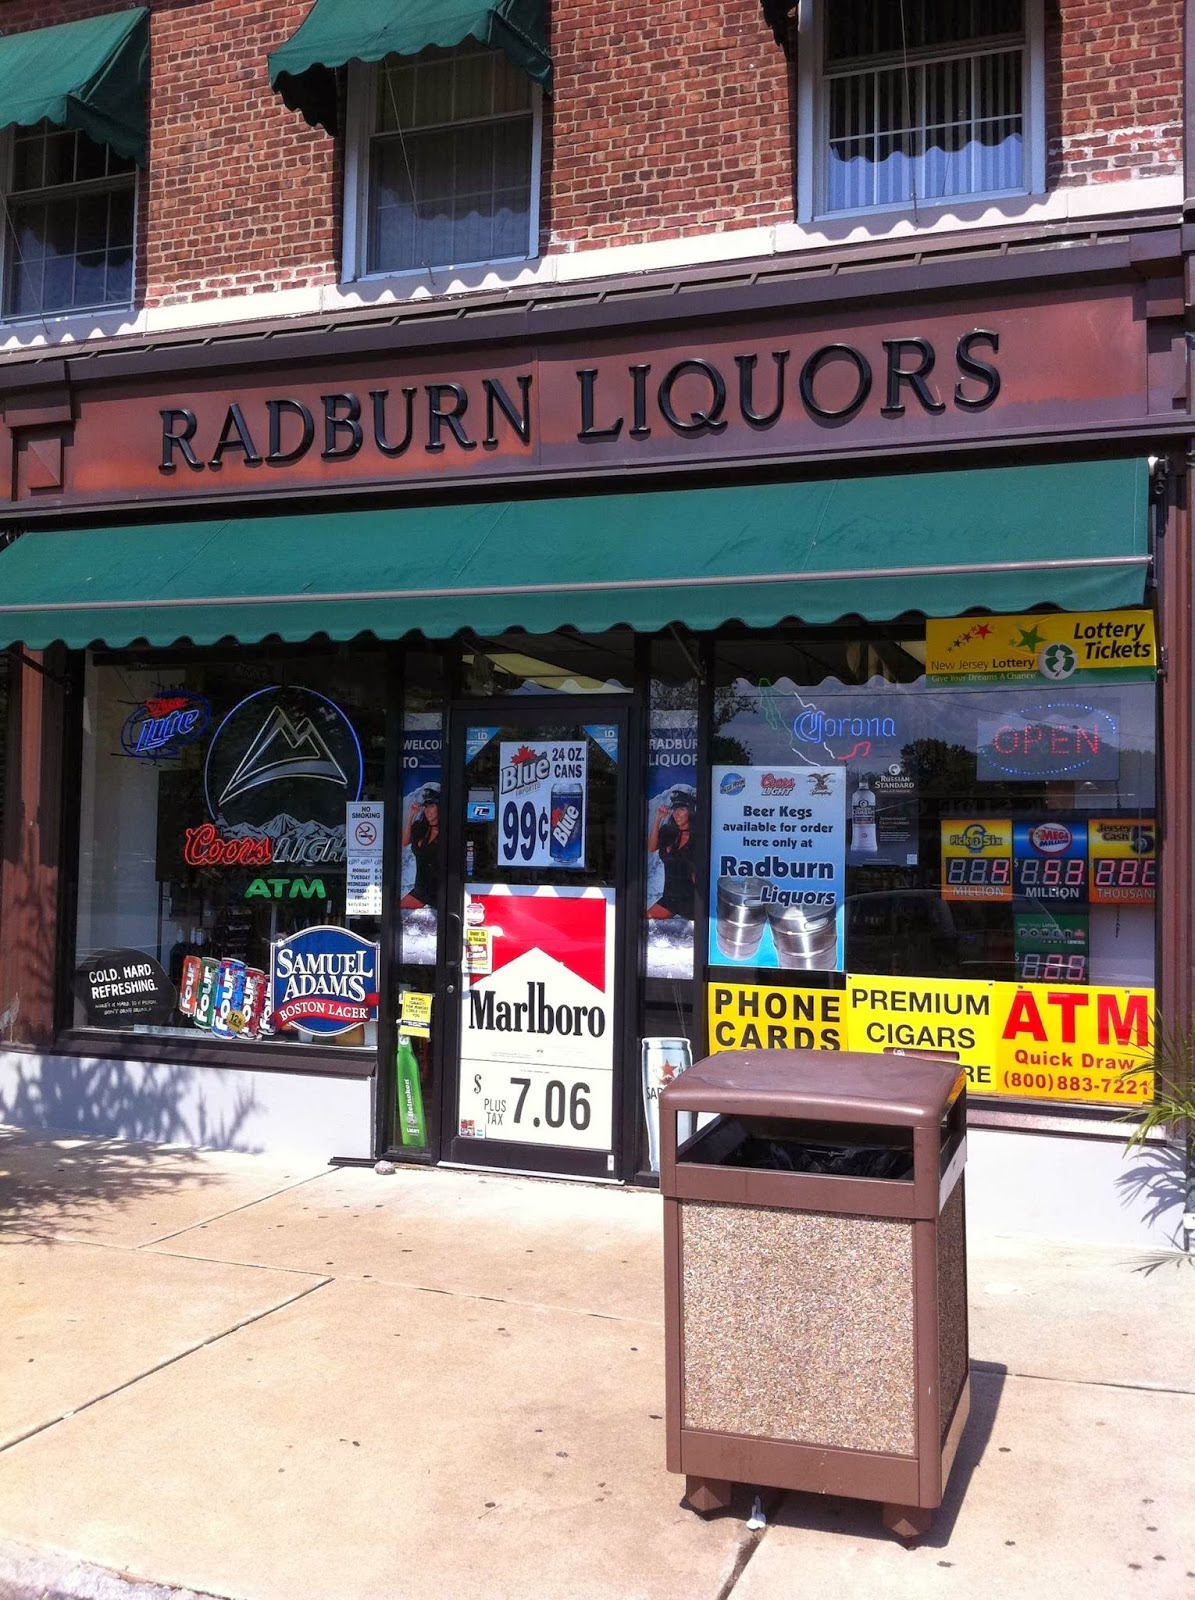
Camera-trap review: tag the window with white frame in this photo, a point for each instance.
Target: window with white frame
(921, 102)
(446, 158)
(70, 207)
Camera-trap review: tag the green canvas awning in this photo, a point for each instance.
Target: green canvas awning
(1003, 538)
(91, 75)
(336, 32)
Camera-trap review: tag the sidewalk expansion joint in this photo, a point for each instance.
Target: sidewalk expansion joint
(993, 1369)
(246, 1205)
(160, 1366)
(750, 1543)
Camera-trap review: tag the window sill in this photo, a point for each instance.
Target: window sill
(303, 1060)
(1030, 1116)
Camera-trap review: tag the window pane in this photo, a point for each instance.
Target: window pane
(71, 253)
(878, 27)
(451, 197)
(28, 165)
(189, 857)
(926, 132)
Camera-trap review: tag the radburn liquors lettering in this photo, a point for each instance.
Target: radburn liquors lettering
(688, 398)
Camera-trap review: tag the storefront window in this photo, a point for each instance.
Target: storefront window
(955, 827)
(230, 850)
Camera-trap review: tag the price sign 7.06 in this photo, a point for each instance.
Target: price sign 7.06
(541, 806)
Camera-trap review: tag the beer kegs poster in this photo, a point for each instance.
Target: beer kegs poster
(537, 1019)
(541, 803)
(778, 867)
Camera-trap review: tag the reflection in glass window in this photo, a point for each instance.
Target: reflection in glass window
(213, 836)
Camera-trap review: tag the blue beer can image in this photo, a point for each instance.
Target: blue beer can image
(567, 833)
(229, 998)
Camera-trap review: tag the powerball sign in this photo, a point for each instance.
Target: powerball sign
(537, 1020)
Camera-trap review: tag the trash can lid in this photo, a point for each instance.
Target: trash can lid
(819, 1085)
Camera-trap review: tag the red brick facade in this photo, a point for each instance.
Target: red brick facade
(668, 120)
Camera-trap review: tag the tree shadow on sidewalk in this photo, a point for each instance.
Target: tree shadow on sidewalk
(1154, 1186)
(58, 1171)
(861, 1519)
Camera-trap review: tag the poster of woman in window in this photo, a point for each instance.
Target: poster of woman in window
(671, 827)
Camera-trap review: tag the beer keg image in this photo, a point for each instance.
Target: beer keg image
(740, 916)
(805, 937)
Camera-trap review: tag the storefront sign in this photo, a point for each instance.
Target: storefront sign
(165, 724)
(286, 889)
(282, 767)
(759, 1016)
(541, 803)
(123, 989)
(977, 858)
(324, 980)
(1073, 1043)
(1025, 1041)
(671, 883)
(365, 822)
(1064, 647)
(1122, 853)
(1049, 860)
(1051, 946)
(777, 867)
(415, 1016)
(538, 1029)
(935, 1016)
(1058, 739)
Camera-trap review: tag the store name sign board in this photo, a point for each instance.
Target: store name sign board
(779, 383)
(1065, 648)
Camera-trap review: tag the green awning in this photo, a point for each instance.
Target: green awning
(335, 32)
(91, 75)
(940, 543)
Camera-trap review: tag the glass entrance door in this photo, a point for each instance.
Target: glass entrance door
(534, 934)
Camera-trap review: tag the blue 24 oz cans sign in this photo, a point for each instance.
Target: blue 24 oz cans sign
(324, 980)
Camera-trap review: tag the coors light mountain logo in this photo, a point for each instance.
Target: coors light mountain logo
(282, 766)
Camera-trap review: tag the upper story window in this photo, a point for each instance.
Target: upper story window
(69, 235)
(446, 159)
(921, 103)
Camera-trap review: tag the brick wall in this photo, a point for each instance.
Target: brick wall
(671, 117)
(1113, 90)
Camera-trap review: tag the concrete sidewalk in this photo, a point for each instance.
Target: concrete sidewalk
(278, 1382)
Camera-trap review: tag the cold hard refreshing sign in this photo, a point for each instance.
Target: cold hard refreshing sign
(537, 1027)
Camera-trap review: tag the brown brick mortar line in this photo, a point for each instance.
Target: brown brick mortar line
(160, 1366)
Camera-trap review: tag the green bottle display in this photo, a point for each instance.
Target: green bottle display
(410, 1096)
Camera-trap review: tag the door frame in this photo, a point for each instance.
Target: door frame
(625, 712)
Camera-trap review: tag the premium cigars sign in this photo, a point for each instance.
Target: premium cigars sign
(361, 408)
(690, 398)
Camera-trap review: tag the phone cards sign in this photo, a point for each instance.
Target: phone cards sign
(541, 803)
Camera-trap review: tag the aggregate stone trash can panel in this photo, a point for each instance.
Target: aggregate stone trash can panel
(816, 1277)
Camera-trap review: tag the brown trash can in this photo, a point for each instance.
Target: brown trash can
(816, 1277)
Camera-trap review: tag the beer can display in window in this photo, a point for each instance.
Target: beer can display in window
(205, 998)
(230, 992)
(188, 985)
(567, 819)
(253, 1003)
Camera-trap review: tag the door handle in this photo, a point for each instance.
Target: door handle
(455, 945)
